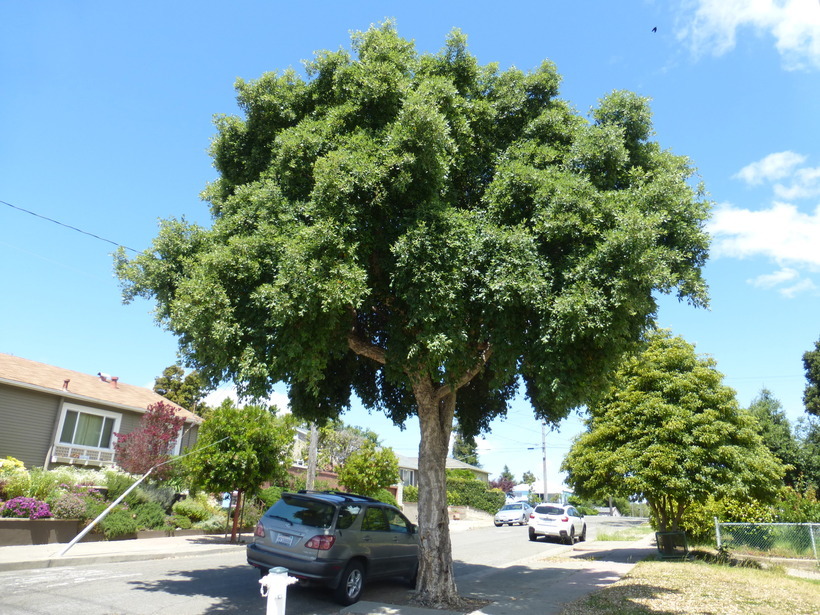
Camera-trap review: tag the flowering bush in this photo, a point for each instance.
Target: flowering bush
(22, 508)
(69, 505)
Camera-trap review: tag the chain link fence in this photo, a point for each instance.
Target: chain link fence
(787, 540)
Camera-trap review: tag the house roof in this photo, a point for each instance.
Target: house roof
(19, 372)
(412, 463)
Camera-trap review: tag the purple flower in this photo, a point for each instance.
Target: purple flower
(22, 508)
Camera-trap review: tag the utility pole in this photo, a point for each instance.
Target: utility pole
(310, 479)
(544, 457)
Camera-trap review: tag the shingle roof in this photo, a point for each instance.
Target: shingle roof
(412, 463)
(16, 371)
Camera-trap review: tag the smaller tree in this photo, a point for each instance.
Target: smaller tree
(151, 443)
(464, 448)
(808, 437)
(338, 441)
(505, 482)
(369, 470)
(777, 434)
(242, 448)
(528, 478)
(186, 390)
(811, 395)
(669, 431)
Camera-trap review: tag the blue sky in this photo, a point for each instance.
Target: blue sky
(106, 116)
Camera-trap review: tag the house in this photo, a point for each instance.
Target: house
(409, 470)
(51, 415)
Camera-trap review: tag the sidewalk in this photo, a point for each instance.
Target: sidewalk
(540, 584)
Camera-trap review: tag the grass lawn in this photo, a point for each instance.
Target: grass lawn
(632, 533)
(668, 588)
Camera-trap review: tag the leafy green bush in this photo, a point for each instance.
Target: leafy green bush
(215, 523)
(384, 495)
(118, 523)
(192, 509)
(150, 516)
(474, 493)
(411, 493)
(68, 505)
(179, 522)
(161, 494)
(270, 496)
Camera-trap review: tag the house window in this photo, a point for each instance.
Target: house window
(408, 477)
(88, 427)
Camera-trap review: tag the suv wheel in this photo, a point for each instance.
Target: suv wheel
(351, 585)
(532, 535)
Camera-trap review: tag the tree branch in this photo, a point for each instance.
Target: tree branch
(361, 346)
(446, 389)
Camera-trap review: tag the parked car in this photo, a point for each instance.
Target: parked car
(557, 521)
(337, 539)
(519, 512)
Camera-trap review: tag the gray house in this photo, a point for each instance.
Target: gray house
(51, 415)
(409, 469)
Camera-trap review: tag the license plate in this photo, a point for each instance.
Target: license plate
(281, 539)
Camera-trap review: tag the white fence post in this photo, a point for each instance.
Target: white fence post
(717, 532)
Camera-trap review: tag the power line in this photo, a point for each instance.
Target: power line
(73, 228)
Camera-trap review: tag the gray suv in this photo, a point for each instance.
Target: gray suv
(337, 539)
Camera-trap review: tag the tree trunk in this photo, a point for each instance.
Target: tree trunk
(436, 583)
(236, 510)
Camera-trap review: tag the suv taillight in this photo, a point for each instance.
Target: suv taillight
(564, 519)
(259, 531)
(321, 542)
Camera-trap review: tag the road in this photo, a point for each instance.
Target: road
(225, 584)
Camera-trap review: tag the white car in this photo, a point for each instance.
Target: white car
(519, 513)
(557, 521)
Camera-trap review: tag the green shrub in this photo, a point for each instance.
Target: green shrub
(118, 523)
(251, 512)
(192, 509)
(386, 496)
(474, 493)
(270, 496)
(411, 493)
(15, 483)
(150, 516)
(215, 523)
(179, 522)
(68, 505)
(161, 494)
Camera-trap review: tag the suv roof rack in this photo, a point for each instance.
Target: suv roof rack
(342, 494)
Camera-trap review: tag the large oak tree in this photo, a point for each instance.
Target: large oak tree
(426, 233)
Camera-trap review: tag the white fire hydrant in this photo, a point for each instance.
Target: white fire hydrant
(275, 589)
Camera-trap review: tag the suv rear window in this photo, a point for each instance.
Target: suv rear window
(301, 511)
(549, 510)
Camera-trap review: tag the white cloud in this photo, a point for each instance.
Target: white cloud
(781, 233)
(773, 166)
(794, 25)
(770, 280)
(803, 286)
(215, 398)
(805, 184)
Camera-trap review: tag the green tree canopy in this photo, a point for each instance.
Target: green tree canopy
(338, 441)
(811, 395)
(669, 431)
(465, 448)
(242, 449)
(777, 434)
(808, 437)
(185, 390)
(425, 232)
(528, 478)
(369, 470)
